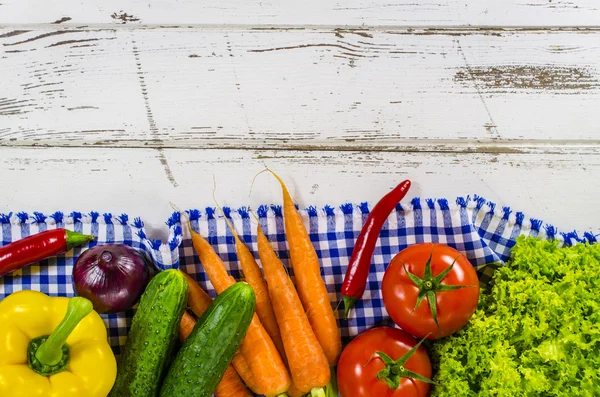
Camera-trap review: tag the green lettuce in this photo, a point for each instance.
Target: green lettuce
(535, 333)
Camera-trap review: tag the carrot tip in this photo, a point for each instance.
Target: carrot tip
(189, 222)
(254, 215)
(254, 179)
(229, 225)
(174, 207)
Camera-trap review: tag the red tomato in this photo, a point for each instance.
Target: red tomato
(356, 378)
(454, 307)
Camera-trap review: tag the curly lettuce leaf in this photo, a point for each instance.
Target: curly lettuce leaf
(535, 333)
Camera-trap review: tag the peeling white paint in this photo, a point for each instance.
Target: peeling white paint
(215, 88)
(125, 110)
(557, 188)
(309, 12)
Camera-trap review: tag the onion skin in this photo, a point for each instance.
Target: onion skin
(111, 276)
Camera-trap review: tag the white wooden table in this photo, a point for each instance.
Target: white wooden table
(124, 106)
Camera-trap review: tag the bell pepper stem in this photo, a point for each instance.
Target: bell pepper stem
(51, 351)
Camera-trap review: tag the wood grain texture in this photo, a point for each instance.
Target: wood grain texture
(557, 188)
(310, 12)
(313, 88)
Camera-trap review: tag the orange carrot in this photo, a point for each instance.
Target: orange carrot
(212, 263)
(254, 277)
(295, 392)
(270, 373)
(198, 299)
(230, 385)
(186, 326)
(243, 369)
(306, 359)
(311, 286)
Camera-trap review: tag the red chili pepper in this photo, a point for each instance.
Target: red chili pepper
(37, 247)
(360, 261)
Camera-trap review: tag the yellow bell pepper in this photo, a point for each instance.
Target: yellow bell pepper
(53, 347)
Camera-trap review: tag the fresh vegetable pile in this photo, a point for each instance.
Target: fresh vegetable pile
(269, 335)
(536, 333)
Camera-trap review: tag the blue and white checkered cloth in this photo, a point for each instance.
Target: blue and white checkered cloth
(472, 225)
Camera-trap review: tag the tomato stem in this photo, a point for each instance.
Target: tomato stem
(429, 286)
(395, 370)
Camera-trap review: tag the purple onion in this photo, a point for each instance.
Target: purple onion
(112, 276)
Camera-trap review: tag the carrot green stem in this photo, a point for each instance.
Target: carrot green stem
(317, 392)
(48, 355)
(331, 390)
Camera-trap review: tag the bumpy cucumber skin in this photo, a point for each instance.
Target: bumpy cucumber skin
(152, 337)
(203, 358)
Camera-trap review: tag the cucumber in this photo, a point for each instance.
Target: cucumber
(152, 337)
(203, 358)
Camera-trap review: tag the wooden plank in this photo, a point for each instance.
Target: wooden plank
(312, 12)
(558, 188)
(296, 89)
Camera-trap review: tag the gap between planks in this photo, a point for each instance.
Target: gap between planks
(491, 146)
(400, 29)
